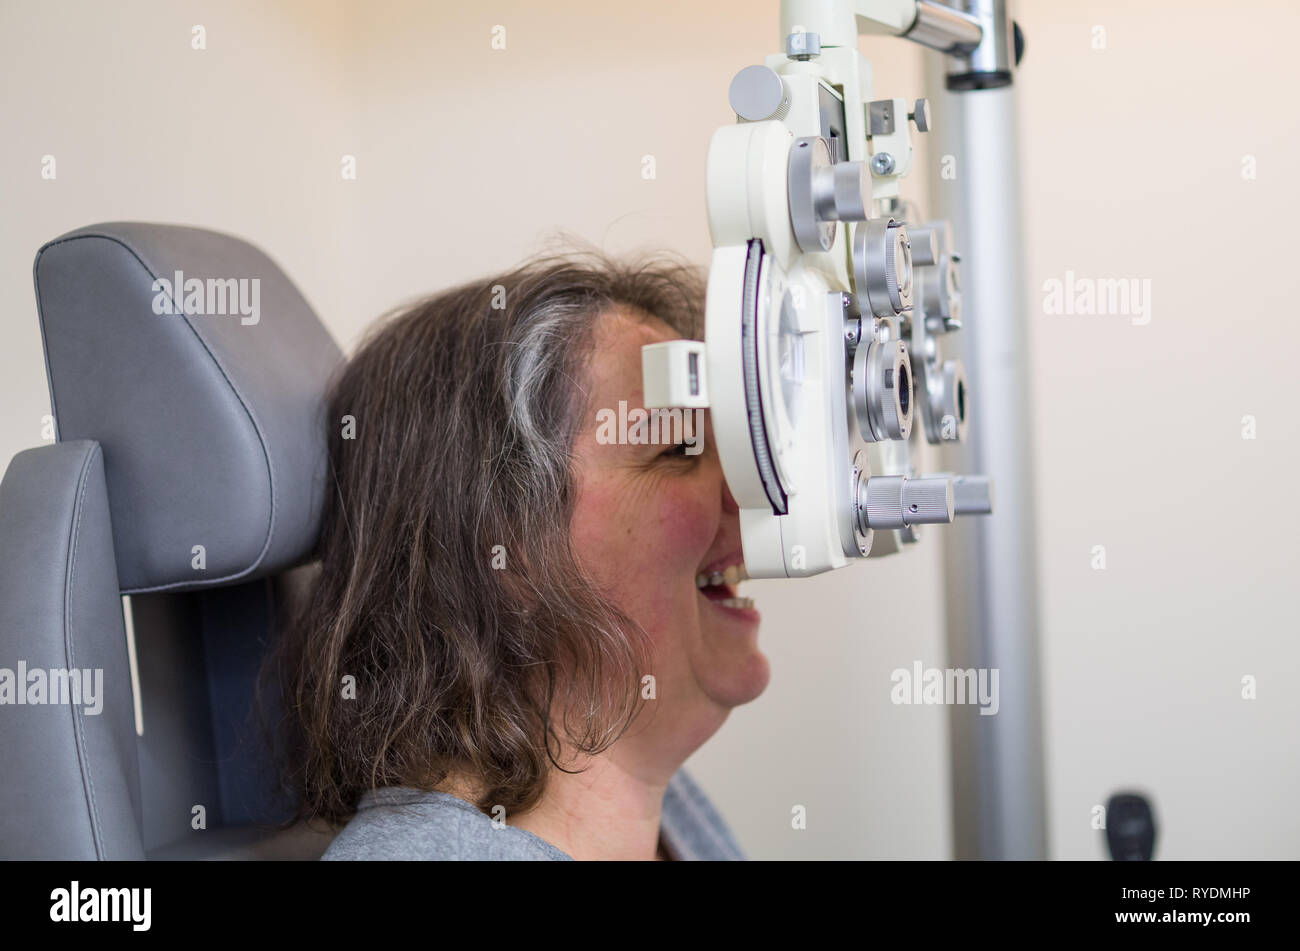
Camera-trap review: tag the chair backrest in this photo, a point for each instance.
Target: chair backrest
(187, 377)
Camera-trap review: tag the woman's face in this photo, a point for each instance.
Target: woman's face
(649, 520)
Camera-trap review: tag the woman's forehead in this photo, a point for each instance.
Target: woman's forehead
(633, 325)
(615, 365)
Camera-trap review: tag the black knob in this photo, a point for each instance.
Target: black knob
(1130, 828)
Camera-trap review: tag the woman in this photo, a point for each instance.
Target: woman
(512, 644)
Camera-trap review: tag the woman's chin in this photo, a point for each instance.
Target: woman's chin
(737, 670)
(742, 682)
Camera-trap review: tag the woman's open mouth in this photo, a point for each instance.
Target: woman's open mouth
(719, 586)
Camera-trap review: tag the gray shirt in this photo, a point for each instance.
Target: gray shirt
(398, 822)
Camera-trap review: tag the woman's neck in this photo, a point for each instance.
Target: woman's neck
(601, 813)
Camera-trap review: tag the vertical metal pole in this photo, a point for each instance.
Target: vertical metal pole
(999, 806)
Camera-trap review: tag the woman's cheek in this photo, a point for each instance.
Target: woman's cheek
(594, 529)
(688, 524)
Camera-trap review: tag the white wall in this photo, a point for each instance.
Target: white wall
(1132, 167)
(239, 137)
(468, 159)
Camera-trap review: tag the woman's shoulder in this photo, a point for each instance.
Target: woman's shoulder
(401, 823)
(692, 825)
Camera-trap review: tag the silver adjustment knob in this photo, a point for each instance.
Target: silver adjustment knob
(842, 192)
(945, 416)
(925, 245)
(882, 390)
(942, 229)
(897, 501)
(862, 534)
(882, 267)
(802, 47)
(757, 93)
(941, 295)
(973, 494)
(920, 114)
(821, 193)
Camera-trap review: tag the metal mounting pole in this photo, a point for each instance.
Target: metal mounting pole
(999, 806)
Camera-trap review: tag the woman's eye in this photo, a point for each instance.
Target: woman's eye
(676, 451)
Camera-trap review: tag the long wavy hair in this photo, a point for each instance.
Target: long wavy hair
(449, 628)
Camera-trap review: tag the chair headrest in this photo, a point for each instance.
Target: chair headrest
(201, 370)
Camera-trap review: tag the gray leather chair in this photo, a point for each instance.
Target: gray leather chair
(174, 431)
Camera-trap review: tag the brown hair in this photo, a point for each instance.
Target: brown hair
(465, 405)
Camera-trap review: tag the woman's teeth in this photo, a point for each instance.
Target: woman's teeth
(733, 574)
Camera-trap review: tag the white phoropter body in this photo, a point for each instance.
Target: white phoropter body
(826, 307)
(832, 308)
